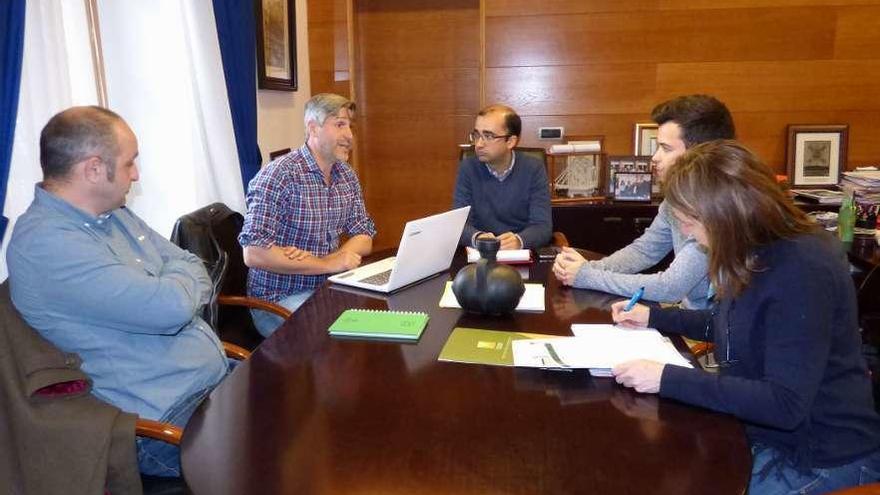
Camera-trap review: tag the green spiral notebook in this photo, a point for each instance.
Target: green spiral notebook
(379, 324)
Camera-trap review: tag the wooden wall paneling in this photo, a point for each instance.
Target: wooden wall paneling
(747, 4)
(410, 162)
(417, 90)
(665, 36)
(617, 129)
(441, 91)
(778, 86)
(765, 133)
(329, 65)
(586, 89)
(413, 35)
(857, 35)
(555, 7)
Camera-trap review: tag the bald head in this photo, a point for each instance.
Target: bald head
(77, 134)
(512, 122)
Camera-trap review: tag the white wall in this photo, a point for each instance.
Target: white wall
(280, 113)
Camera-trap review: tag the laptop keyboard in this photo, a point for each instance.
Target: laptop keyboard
(380, 278)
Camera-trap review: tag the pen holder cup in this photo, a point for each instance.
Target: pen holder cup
(866, 214)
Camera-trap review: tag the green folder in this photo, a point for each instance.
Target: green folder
(378, 324)
(473, 345)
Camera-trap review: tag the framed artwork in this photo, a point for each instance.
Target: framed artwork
(276, 44)
(645, 139)
(633, 186)
(816, 154)
(624, 164)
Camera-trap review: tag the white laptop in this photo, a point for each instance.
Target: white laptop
(426, 248)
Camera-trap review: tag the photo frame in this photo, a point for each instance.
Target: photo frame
(645, 139)
(623, 164)
(816, 154)
(633, 186)
(276, 44)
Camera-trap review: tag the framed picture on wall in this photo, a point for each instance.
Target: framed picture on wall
(633, 186)
(276, 44)
(645, 139)
(816, 154)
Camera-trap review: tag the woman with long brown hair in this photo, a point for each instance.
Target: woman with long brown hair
(784, 326)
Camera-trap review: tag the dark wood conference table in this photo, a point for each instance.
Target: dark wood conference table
(311, 414)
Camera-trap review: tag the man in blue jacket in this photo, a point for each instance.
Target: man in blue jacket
(507, 191)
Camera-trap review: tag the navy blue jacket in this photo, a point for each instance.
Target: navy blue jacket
(795, 373)
(519, 204)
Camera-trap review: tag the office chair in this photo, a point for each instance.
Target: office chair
(467, 150)
(46, 402)
(275, 154)
(211, 233)
(869, 489)
(868, 300)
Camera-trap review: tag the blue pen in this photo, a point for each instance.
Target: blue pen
(634, 299)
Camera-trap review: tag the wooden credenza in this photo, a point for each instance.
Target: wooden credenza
(606, 226)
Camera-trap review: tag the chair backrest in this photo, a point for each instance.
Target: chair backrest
(211, 233)
(467, 151)
(275, 154)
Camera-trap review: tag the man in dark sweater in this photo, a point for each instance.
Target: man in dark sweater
(507, 191)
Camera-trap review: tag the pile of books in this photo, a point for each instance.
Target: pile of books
(864, 183)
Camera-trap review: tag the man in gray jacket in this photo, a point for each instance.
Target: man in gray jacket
(683, 122)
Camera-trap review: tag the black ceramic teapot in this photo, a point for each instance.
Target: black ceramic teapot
(487, 287)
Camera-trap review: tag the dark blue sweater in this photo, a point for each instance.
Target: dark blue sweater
(519, 204)
(796, 376)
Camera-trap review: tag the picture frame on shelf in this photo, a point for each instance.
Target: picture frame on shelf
(633, 186)
(623, 164)
(816, 154)
(276, 44)
(645, 139)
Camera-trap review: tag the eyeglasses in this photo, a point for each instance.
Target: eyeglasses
(712, 356)
(486, 136)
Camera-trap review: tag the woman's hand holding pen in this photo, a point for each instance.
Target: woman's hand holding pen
(637, 317)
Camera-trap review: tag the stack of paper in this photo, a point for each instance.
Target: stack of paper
(532, 299)
(503, 256)
(598, 348)
(865, 184)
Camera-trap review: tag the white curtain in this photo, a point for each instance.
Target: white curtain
(165, 77)
(56, 73)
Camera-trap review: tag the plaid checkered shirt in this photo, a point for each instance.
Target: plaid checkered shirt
(290, 205)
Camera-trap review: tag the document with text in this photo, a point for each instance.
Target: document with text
(598, 348)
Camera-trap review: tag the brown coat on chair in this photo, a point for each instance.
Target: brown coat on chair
(64, 443)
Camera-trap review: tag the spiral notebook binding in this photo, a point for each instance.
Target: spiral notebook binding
(420, 313)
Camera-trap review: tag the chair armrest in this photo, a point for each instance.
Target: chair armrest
(157, 430)
(559, 240)
(235, 352)
(255, 303)
(702, 348)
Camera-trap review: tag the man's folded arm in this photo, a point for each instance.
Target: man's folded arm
(688, 269)
(80, 277)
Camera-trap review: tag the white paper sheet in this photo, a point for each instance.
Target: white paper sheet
(532, 299)
(597, 347)
(503, 256)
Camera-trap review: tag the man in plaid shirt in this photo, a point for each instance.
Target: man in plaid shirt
(298, 207)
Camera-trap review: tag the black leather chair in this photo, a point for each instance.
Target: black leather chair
(211, 233)
(868, 298)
